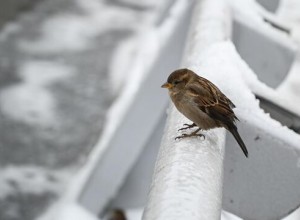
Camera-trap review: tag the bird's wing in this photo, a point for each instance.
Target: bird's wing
(211, 100)
(220, 96)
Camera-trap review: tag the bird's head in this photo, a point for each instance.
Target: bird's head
(177, 80)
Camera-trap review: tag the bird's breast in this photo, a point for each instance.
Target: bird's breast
(189, 109)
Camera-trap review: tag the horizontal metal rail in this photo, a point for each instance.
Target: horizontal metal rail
(188, 177)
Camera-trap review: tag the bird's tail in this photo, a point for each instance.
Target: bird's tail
(233, 130)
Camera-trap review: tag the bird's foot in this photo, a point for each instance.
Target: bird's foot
(193, 134)
(188, 126)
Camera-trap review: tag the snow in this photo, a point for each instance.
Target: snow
(287, 92)
(42, 73)
(240, 76)
(148, 44)
(286, 95)
(229, 216)
(36, 104)
(142, 3)
(121, 63)
(68, 211)
(30, 180)
(243, 98)
(213, 56)
(60, 33)
(31, 99)
(252, 14)
(129, 60)
(288, 12)
(76, 212)
(215, 62)
(184, 175)
(8, 30)
(187, 181)
(72, 32)
(136, 55)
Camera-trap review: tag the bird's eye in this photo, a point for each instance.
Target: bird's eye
(176, 82)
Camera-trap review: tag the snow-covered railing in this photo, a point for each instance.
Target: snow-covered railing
(187, 182)
(188, 179)
(266, 186)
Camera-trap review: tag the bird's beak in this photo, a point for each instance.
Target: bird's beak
(167, 85)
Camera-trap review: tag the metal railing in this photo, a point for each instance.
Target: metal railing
(188, 180)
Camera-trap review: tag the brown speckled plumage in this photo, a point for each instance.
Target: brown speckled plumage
(202, 102)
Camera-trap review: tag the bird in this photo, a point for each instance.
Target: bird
(202, 102)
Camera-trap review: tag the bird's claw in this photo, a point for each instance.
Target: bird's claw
(188, 126)
(181, 136)
(189, 135)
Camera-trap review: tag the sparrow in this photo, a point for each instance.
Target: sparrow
(203, 103)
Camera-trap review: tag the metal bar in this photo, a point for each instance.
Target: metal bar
(188, 177)
(281, 114)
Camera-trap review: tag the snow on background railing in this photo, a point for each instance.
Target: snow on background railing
(266, 185)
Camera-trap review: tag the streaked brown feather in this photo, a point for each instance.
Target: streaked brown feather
(211, 100)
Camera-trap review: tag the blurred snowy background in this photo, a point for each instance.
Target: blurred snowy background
(57, 82)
